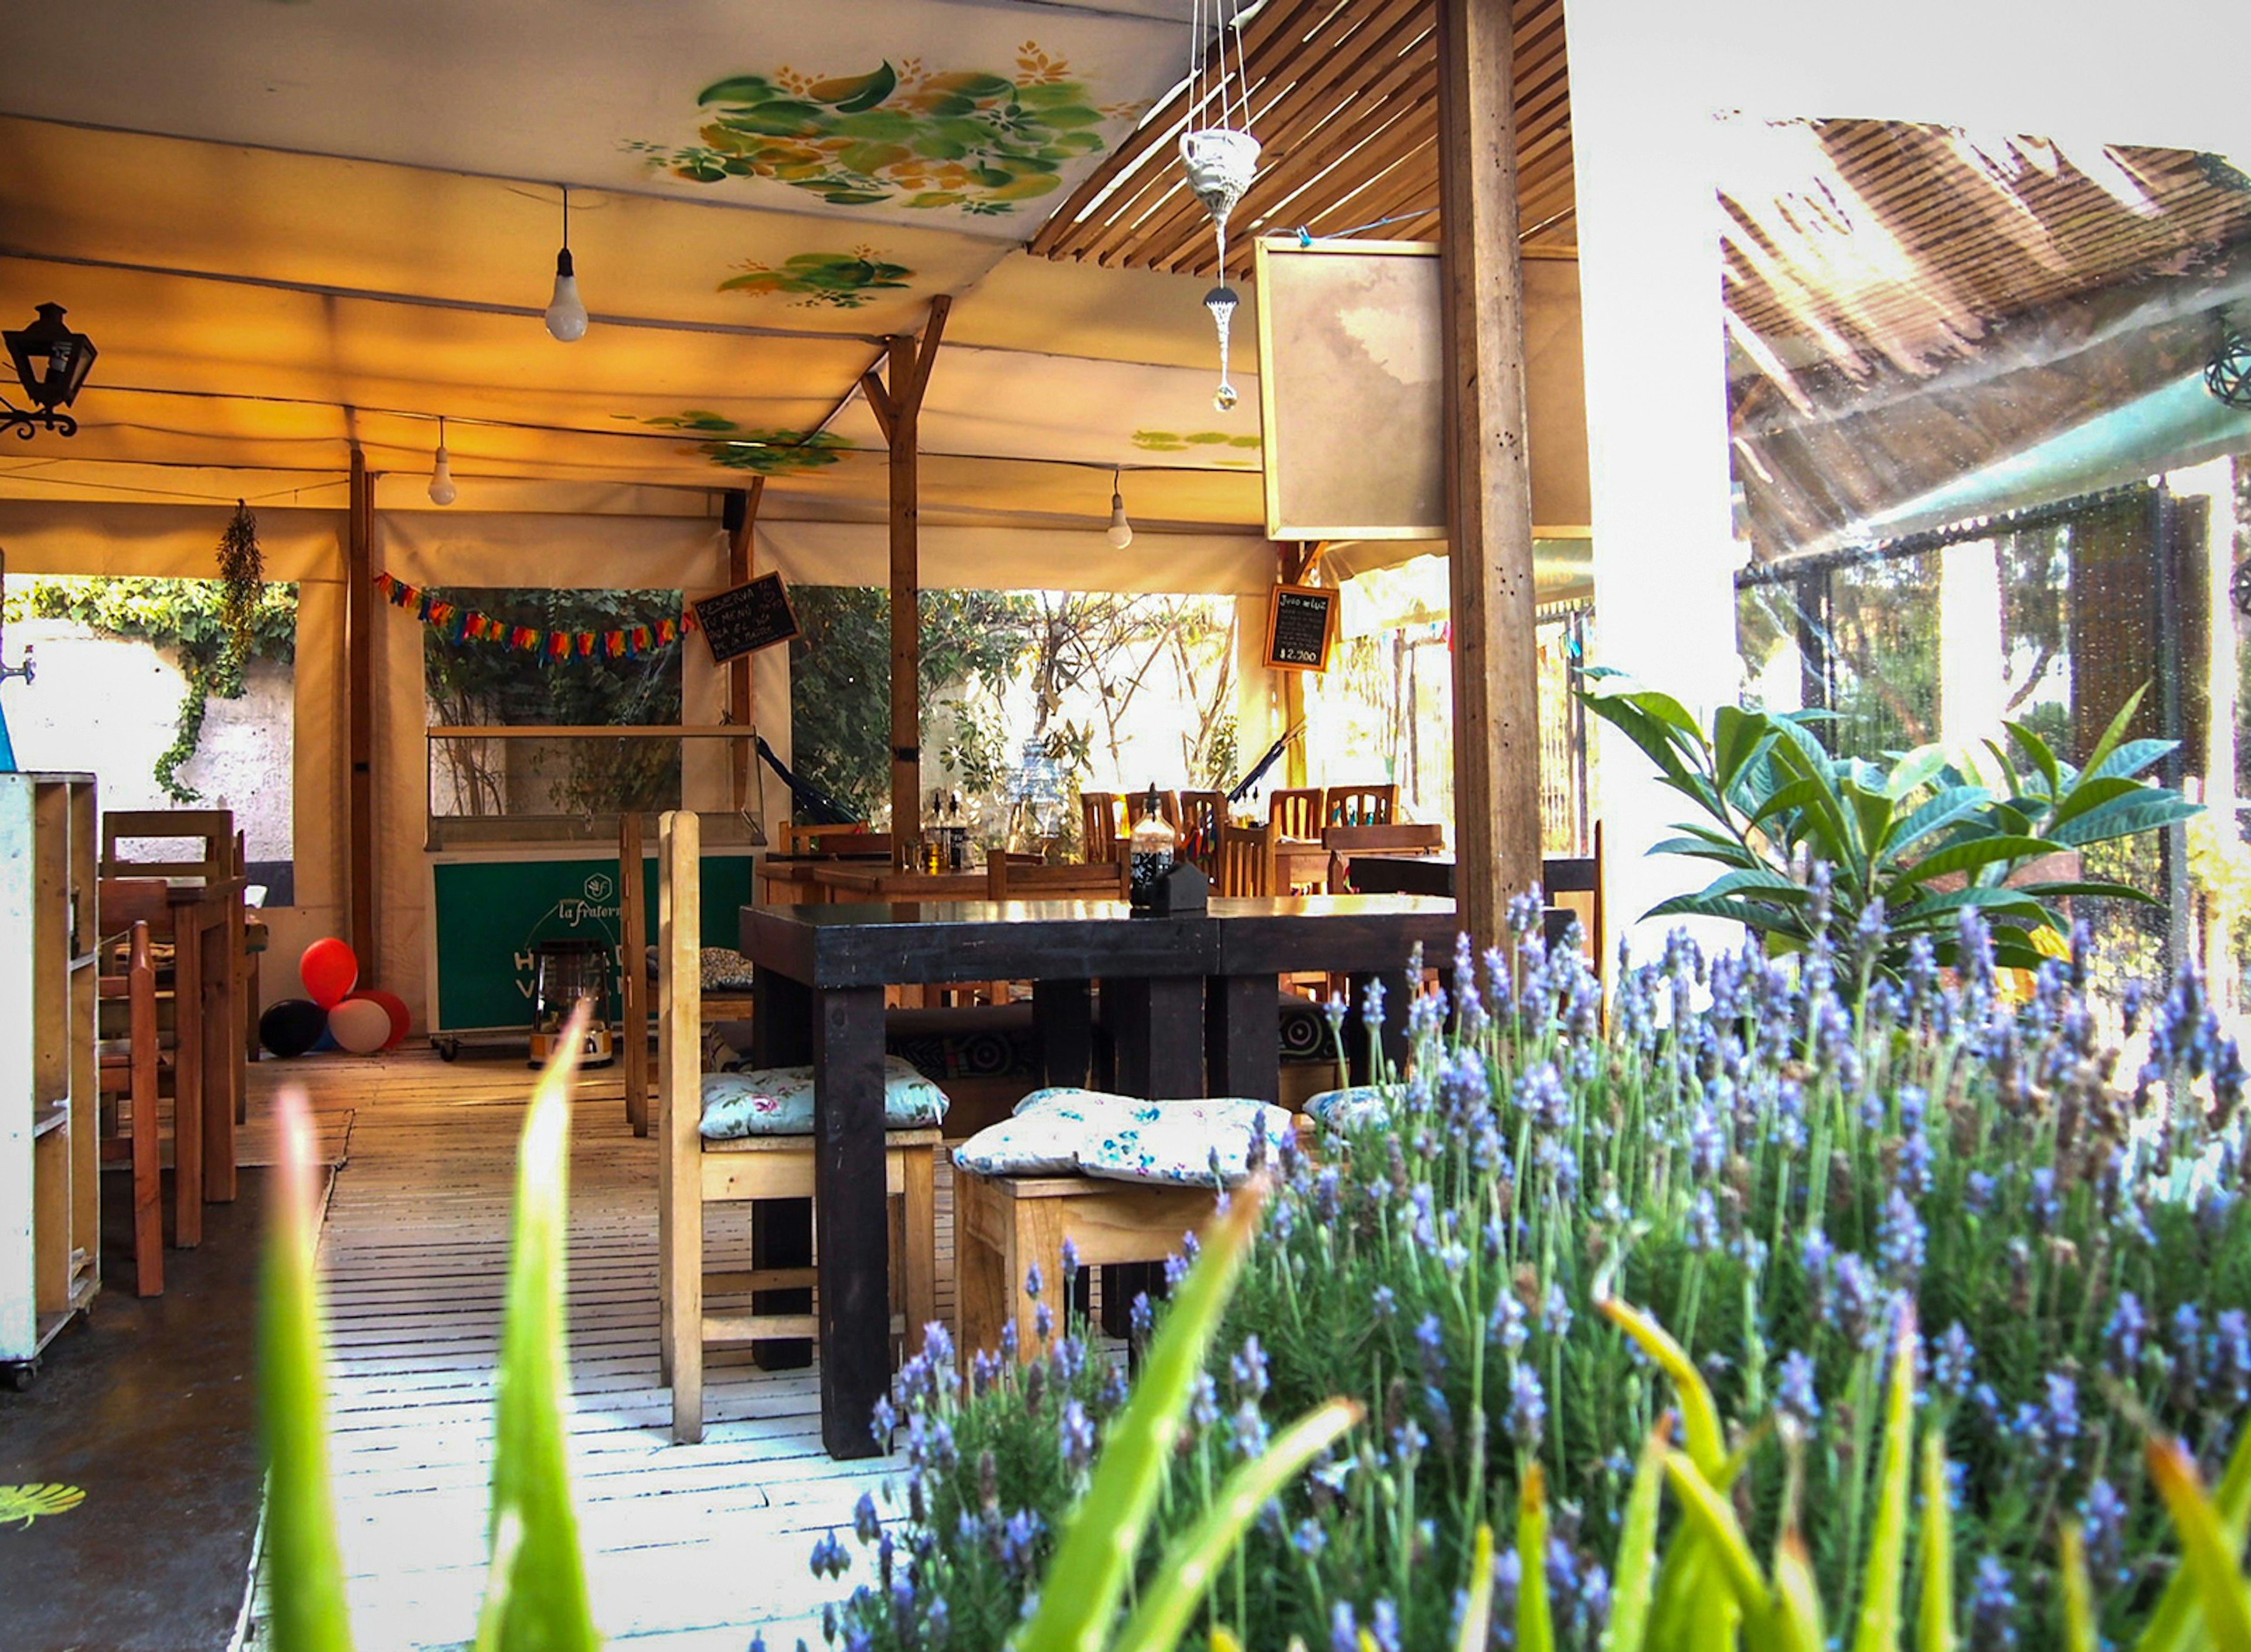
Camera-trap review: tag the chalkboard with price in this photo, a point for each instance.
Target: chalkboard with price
(1300, 624)
(748, 618)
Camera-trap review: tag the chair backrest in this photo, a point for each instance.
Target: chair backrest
(1097, 819)
(1401, 837)
(211, 829)
(1296, 812)
(1580, 877)
(1246, 860)
(1202, 813)
(119, 903)
(1010, 881)
(1361, 805)
(834, 840)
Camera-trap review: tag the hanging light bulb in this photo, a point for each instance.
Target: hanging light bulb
(1121, 532)
(442, 491)
(566, 314)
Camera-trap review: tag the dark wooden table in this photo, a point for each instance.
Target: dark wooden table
(1403, 875)
(1191, 1001)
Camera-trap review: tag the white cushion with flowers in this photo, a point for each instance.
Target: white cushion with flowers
(779, 1101)
(1055, 1132)
(1351, 1108)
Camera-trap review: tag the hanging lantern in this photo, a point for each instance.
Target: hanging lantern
(1221, 157)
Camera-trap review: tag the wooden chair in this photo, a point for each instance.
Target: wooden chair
(1009, 880)
(1403, 839)
(1361, 805)
(213, 829)
(1246, 861)
(120, 904)
(129, 1068)
(1297, 812)
(693, 1173)
(1098, 819)
(1201, 816)
(1580, 877)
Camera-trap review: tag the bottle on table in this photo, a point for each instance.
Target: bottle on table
(933, 834)
(1151, 845)
(957, 835)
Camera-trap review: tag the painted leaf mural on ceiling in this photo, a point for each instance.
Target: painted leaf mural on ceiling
(899, 135)
(840, 281)
(766, 453)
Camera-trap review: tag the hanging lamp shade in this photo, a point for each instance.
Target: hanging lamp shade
(52, 362)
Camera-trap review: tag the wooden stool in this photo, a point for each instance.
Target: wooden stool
(780, 1167)
(1002, 1224)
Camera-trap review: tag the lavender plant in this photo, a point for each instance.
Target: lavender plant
(1780, 1163)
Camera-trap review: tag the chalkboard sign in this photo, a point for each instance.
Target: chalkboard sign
(1300, 620)
(748, 618)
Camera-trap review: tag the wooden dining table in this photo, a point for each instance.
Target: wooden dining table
(1191, 1001)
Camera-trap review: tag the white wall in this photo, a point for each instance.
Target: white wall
(1649, 80)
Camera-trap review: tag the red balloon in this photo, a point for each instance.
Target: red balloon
(395, 1007)
(329, 970)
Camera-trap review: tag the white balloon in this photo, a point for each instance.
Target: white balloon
(360, 1026)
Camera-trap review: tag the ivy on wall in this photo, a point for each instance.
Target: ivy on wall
(184, 615)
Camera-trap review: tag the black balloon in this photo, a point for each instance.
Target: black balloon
(292, 1026)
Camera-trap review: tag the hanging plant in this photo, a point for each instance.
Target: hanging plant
(242, 579)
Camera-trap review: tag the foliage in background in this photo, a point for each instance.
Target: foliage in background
(188, 616)
(841, 281)
(478, 686)
(840, 666)
(1781, 1178)
(242, 579)
(1911, 844)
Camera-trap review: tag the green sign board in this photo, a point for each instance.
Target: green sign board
(490, 914)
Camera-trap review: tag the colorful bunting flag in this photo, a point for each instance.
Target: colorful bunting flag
(473, 627)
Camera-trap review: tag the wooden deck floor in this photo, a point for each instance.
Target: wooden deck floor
(687, 1547)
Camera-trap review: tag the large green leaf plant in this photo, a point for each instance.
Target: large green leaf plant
(1908, 845)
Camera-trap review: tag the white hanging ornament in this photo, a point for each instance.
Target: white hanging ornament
(1221, 163)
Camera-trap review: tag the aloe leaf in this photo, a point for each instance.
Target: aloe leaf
(1177, 1588)
(1797, 1595)
(1714, 1516)
(2079, 1632)
(308, 1611)
(1936, 1552)
(1880, 1599)
(2173, 1626)
(1636, 1553)
(1535, 1629)
(1477, 1618)
(492, 1612)
(1078, 1601)
(1700, 1416)
(2205, 1548)
(546, 1609)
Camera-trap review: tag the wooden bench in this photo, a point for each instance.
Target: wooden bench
(1002, 1224)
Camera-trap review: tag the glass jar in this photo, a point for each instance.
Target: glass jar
(1152, 846)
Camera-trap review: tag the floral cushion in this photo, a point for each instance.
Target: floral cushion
(1057, 1131)
(779, 1101)
(1350, 1108)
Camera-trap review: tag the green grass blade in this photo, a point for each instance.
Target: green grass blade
(1477, 1621)
(1700, 1416)
(2208, 1557)
(2079, 1632)
(1535, 1625)
(1079, 1600)
(1636, 1553)
(1177, 1587)
(2178, 1621)
(308, 1611)
(546, 1609)
(1935, 1612)
(1880, 1600)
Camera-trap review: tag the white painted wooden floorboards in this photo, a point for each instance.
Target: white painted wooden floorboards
(688, 1548)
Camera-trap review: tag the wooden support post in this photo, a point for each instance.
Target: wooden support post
(742, 519)
(359, 701)
(898, 407)
(1488, 478)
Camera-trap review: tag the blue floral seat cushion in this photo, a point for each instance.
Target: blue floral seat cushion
(779, 1101)
(1350, 1108)
(1182, 1144)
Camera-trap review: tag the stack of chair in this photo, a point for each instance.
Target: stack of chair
(129, 1071)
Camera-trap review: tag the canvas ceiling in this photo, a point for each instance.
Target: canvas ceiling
(291, 227)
